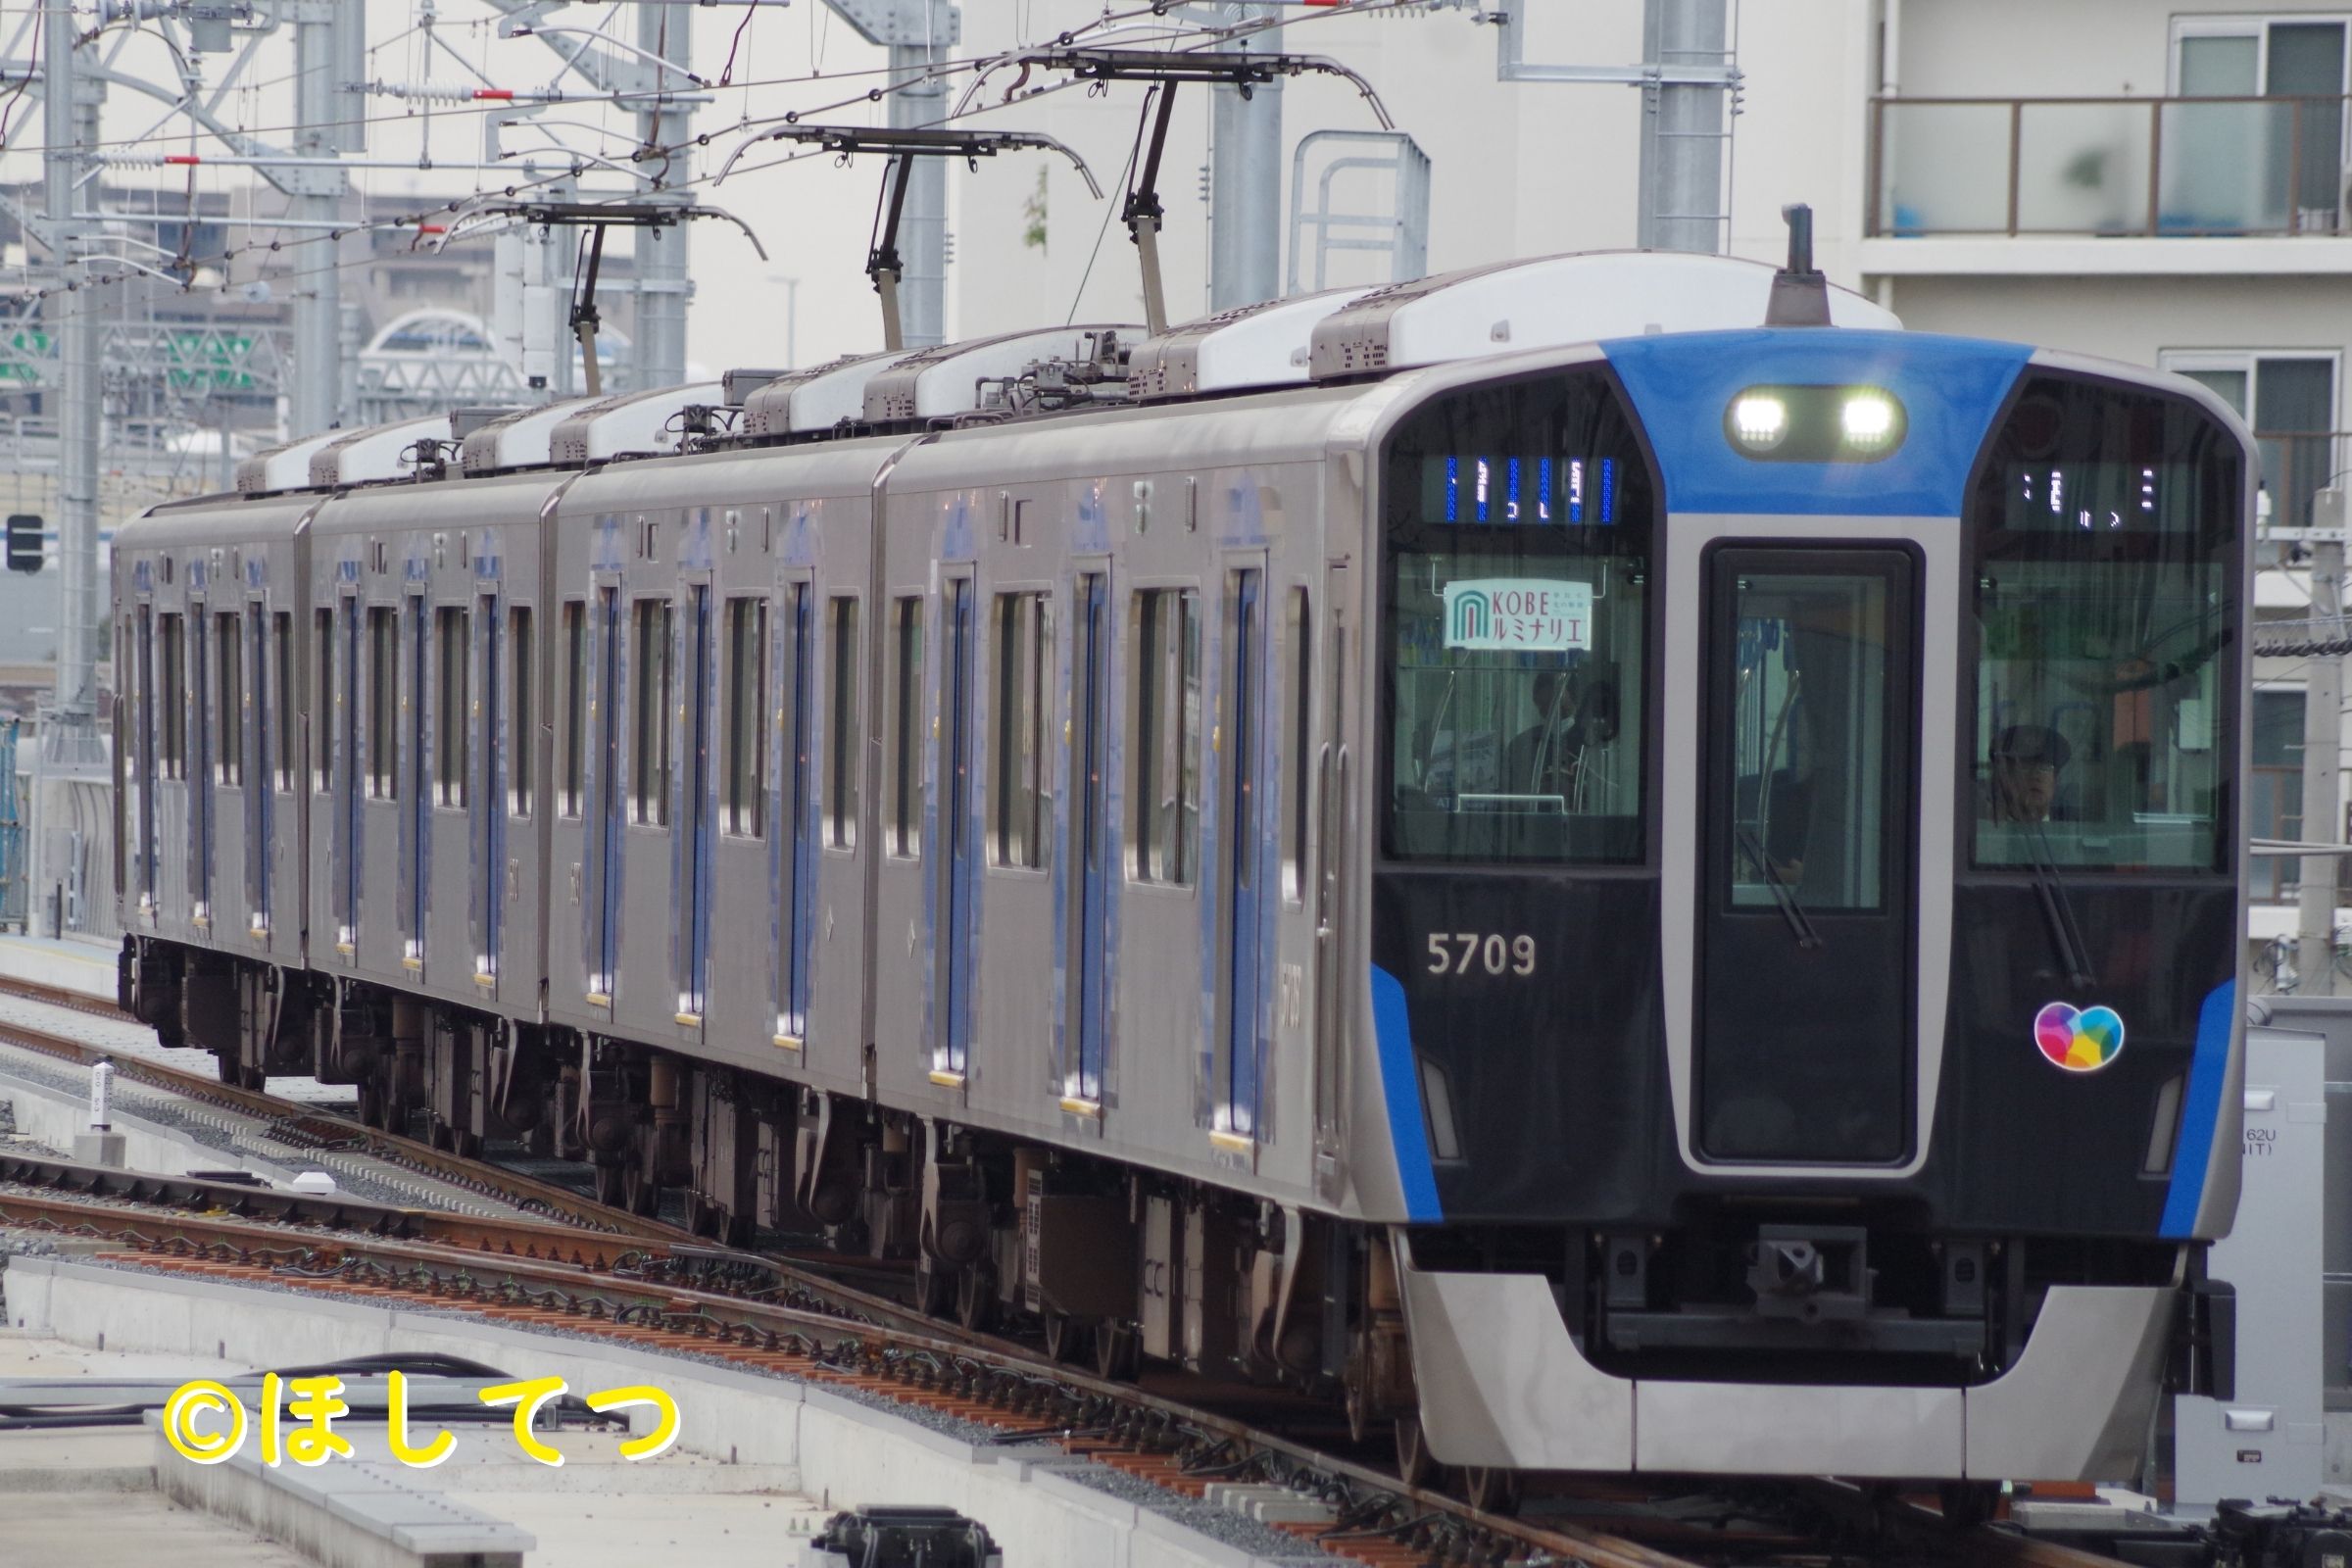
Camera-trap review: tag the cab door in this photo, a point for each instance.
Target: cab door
(1810, 841)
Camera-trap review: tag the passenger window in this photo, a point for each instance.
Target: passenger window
(651, 755)
(1298, 628)
(906, 729)
(229, 735)
(522, 745)
(1164, 801)
(747, 717)
(575, 705)
(323, 627)
(841, 791)
(1017, 793)
(453, 640)
(383, 702)
(173, 705)
(281, 631)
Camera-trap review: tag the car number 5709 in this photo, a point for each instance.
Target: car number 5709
(1469, 952)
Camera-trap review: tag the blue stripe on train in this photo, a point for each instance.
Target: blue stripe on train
(1400, 1086)
(2200, 1111)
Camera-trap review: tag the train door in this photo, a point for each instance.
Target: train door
(960, 842)
(605, 806)
(350, 761)
(796, 839)
(1328, 880)
(199, 697)
(148, 717)
(692, 875)
(486, 797)
(260, 785)
(1236, 1090)
(1090, 815)
(1809, 841)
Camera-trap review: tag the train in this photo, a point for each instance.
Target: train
(1612, 862)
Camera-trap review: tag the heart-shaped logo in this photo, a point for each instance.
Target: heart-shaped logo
(2080, 1040)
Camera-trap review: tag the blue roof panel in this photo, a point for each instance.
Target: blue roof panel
(1951, 387)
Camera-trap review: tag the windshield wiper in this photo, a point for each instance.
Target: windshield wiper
(1791, 910)
(2058, 913)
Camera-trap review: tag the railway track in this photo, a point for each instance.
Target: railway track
(586, 1268)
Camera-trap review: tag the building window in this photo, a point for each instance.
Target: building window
(523, 743)
(2270, 157)
(575, 705)
(841, 723)
(228, 738)
(905, 727)
(452, 638)
(1024, 650)
(383, 702)
(747, 717)
(2275, 794)
(2289, 399)
(649, 795)
(1164, 802)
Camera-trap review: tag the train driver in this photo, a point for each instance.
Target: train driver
(2025, 763)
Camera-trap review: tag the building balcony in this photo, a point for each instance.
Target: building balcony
(2108, 185)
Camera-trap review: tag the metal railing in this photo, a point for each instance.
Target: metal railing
(2149, 166)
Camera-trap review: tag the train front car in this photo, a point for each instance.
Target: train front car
(1806, 907)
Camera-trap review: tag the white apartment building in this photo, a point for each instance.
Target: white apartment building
(2163, 182)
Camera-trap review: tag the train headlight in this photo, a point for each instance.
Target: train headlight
(1790, 423)
(1759, 422)
(1868, 418)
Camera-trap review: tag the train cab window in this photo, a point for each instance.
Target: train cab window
(522, 745)
(905, 727)
(575, 707)
(1163, 830)
(2101, 524)
(452, 701)
(650, 791)
(323, 699)
(1517, 521)
(383, 703)
(1017, 786)
(281, 653)
(746, 635)
(171, 704)
(1298, 635)
(842, 772)
(229, 663)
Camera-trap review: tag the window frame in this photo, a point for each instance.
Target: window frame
(909, 651)
(382, 686)
(1019, 782)
(743, 637)
(652, 633)
(571, 773)
(228, 696)
(1163, 751)
(453, 705)
(844, 781)
(522, 711)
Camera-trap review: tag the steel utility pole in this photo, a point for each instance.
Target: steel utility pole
(1245, 179)
(323, 103)
(2322, 754)
(69, 126)
(1683, 129)
(663, 284)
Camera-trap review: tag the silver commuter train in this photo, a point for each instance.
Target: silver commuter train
(1048, 846)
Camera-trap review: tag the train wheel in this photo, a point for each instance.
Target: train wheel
(975, 1302)
(1413, 1465)
(1068, 1340)
(609, 1185)
(1967, 1504)
(1117, 1352)
(1491, 1490)
(640, 1192)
